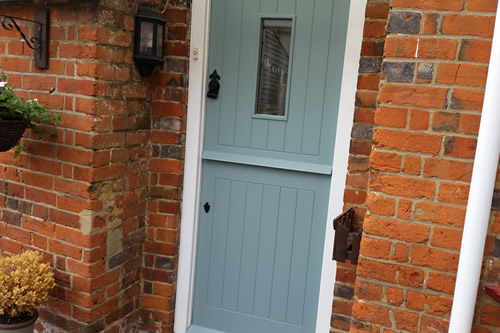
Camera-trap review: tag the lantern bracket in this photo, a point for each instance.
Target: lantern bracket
(39, 42)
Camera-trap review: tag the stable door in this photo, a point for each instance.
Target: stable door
(271, 114)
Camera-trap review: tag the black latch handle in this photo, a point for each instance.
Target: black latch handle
(213, 85)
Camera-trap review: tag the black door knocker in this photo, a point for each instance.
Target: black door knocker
(213, 85)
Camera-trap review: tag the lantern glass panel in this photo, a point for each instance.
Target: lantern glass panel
(146, 39)
(159, 41)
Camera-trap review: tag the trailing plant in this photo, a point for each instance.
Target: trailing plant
(13, 107)
(24, 286)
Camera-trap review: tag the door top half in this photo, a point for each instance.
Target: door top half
(280, 67)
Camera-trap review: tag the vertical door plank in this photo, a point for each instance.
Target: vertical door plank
(216, 59)
(247, 78)
(234, 241)
(229, 82)
(276, 135)
(249, 247)
(218, 249)
(268, 6)
(259, 133)
(300, 255)
(286, 6)
(334, 76)
(267, 245)
(318, 66)
(300, 76)
(283, 254)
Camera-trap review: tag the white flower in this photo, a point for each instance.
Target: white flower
(3, 84)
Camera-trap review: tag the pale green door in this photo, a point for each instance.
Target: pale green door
(269, 138)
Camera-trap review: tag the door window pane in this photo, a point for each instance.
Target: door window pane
(273, 66)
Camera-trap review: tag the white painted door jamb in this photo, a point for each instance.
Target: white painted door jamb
(200, 24)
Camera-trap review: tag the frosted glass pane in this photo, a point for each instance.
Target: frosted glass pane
(273, 66)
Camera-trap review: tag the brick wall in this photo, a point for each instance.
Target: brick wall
(166, 169)
(81, 198)
(424, 137)
(361, 143)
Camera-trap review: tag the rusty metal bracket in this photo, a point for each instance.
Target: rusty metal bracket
(347, 242)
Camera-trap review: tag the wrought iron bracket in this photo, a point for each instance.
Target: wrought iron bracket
(39, 42)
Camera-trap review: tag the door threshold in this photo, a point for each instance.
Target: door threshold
(201, 329)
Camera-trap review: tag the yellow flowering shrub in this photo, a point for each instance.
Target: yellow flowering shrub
(25, 282)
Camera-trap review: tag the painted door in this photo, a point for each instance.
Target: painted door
(269, 138)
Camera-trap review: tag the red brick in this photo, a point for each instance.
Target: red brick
(32, 82)
(375, 248)
(482, 5)
(371, 313)
(418, 47)
(462, 74)
(65, 249)
(432, 325)
(367, 99)
(406, 321)
(429, 4)
(10, 246)
(43, 227)
(439, 213)
(438, 305)
(407, 141)
(19, 235)
(380, 205)
(40, 196)
(377, 270)
(354, 196)
(461, 147)
(467, 99)
(410, 277)
(89, 316)
(446, 238)
(378, 10)
(81, 87)
(155, 302)
(415, 301)
(403, 186)
(401, 253)
(472, 25)
(394, 296)
(368, 81)
(393, 229)
(489, 315)
(364, 115)
(368, 291)
(79, 51)
(38, 180)
(441, 282)
(430, 23)
(448, 169)
(391, 117)
(412, 165)
(374, 29)
(434, 258)
(453, 193)
(475, 50)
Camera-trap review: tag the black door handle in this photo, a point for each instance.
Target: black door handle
(213, 85)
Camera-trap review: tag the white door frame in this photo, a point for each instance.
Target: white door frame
(200, 26)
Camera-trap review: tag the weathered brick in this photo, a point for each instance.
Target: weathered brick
(404, 22)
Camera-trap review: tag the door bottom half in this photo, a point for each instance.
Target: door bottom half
(260, 249)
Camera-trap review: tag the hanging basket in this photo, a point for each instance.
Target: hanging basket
(10, 132)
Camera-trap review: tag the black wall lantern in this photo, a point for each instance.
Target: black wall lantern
(149, 38)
